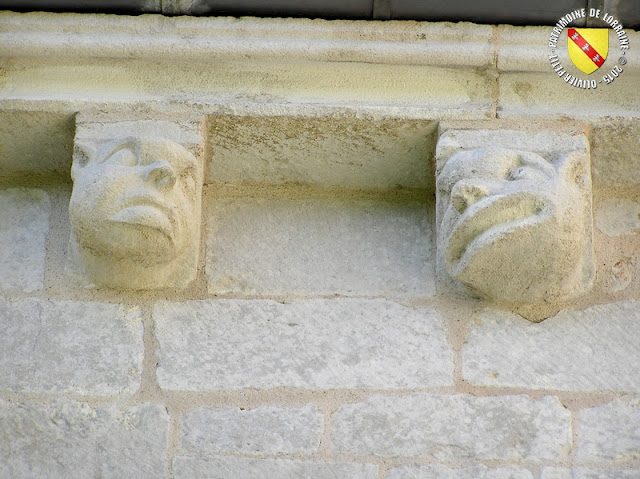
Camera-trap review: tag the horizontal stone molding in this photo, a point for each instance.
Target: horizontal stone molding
(213, 39)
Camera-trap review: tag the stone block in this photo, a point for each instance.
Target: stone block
(263, 430)
(35, 141)
(351, 247)
(455, 427)
(586, 350)
(312, 344)
(544, 94)
(69, 440)
(587, 473)
(136, 205)
(475, 472)
(616, 217)
(245, 468)
(610, 433)
(69, 347)
(24, 216)
(326, 151)
(614, 154)
(513, 215)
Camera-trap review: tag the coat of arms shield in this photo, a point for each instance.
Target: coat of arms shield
(588, 47)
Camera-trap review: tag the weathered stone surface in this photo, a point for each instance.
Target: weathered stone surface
(69, 439)
(322, 246)
(135, 213)
(617, 217)
(614, 159)
(454, 427)
(24, 216)
(548, 144)
(475, 472)
(227, 466)
(585, 473)
(361, 153)
(69, 347)
(313, 344)
(515, 226)
(263, 430)
(544, 94)
(610, 432)
(591, 349)
(35, 141)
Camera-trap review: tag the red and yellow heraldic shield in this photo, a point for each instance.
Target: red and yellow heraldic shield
(588, 47)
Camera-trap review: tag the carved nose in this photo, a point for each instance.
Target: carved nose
(464, 194)
(160, 174)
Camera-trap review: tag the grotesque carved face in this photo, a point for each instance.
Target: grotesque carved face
(136, 199)
(513, 224)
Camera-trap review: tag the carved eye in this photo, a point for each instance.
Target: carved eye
(517, 173)
(187, 180)
(124, 157)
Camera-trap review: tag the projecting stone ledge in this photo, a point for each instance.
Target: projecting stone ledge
(589, 350)
(312, 344)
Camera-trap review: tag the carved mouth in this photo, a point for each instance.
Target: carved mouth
(146, 212)
(489, 220)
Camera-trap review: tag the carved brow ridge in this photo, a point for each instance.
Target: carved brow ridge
(135, 145)
(450, 175)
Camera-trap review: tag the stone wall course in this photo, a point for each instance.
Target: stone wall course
(263, 430)
(443, 472)
(72, 347)
(454, 427)
(583, 350)
(24, 220)
(350, 247)
(308, 344)
(69, 439)
(245, 468)
(609, 433)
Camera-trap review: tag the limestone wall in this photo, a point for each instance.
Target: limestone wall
(318, 338)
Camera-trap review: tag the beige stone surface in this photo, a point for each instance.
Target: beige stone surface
(307, 344)
(216, 38)
(69, 347)
(609, 433)
(248, 468)
(585, 350)
(453, 427)
(475, 472)
(614, 153)
(34, 141)
(68, 439)
(263, 430)
(24, 226)
(589, 473)
(617, 217)
(543, 94)
(320, 246)
(135, 213)
(328, 151)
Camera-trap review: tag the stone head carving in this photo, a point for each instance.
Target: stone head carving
(135, 212)
(515, 227)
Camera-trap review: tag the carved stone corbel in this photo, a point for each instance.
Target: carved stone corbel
(514, 215)
(135, 212)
